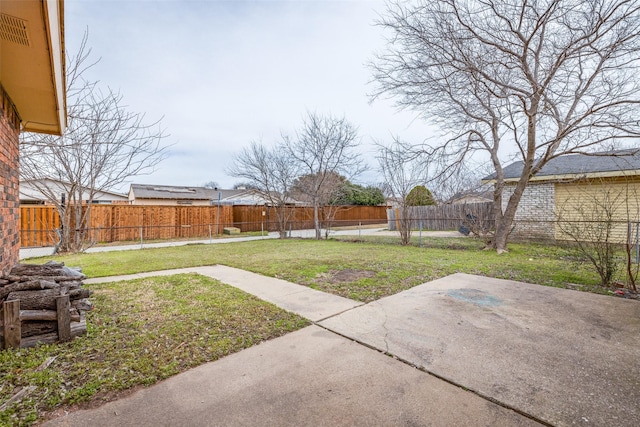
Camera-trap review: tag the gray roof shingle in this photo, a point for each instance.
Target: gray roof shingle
(142, 191)
(581, 164)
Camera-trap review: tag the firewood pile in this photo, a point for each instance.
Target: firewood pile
(42, 304)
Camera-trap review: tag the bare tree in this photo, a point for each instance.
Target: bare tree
(515, 80)
(333, 185)
(271, 173)
(103, 145)
(324, 148)
(402, 171)
(212, 185)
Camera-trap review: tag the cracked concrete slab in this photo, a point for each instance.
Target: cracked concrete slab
(310, 377)
(566, 357)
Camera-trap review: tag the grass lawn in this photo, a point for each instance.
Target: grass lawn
(140, 332)
(375, 268)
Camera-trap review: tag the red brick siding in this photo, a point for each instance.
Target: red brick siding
(9, 181)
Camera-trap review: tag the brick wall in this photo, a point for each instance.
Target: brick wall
(9, 180)
(536, 212)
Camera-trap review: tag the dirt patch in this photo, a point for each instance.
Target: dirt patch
(344, 276)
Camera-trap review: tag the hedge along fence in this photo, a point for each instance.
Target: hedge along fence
(444, 217)
(116, 223)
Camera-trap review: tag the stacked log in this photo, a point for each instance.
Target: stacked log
(52, 304)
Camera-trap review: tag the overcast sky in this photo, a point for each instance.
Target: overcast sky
(224, 73)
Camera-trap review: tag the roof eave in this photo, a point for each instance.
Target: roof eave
(572, 176)
(33, 74)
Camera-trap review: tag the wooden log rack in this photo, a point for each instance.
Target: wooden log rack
(68, 325)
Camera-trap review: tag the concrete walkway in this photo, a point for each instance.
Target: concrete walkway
(302, 300)
(466, 351)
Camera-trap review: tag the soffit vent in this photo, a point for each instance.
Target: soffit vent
(13, 29)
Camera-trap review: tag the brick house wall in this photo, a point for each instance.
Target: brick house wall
(9, 181)
(536, 212)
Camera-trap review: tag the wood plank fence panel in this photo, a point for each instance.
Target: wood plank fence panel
(250, 218)
(444, 217)
(354, 215)
(37, 224)
(118, 222)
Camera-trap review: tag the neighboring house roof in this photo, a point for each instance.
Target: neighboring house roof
(594, 165)
(32, 63)
(29, 191)
(471, 196)
(172, 192)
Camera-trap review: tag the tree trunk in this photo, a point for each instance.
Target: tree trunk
(504, 220)
(44, 299)
(36, 300)
(501, 236)
(316, 220)
(405, 226)
(30, 329)
(27, 286)
(51, 269)
(77, 329)
(281, 214)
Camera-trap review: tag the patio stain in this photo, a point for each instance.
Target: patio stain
(475, 296)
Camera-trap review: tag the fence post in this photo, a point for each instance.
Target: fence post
(210, 237)
(359, 229)
(140, 237)
(397, 212)
(420, 235)
(12, 325)
(64, 317)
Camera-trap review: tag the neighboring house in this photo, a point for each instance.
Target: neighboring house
(32, 98)
(142, 194)
(571, 188)
(31, 195)
(471, 197)
(392, 202)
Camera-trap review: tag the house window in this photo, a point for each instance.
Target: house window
(185, 202)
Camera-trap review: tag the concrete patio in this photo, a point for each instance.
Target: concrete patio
(459, 351)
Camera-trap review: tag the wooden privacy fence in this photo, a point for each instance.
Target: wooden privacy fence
(256, 218)
(444, 217)
(38, 225)
(116, 223)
